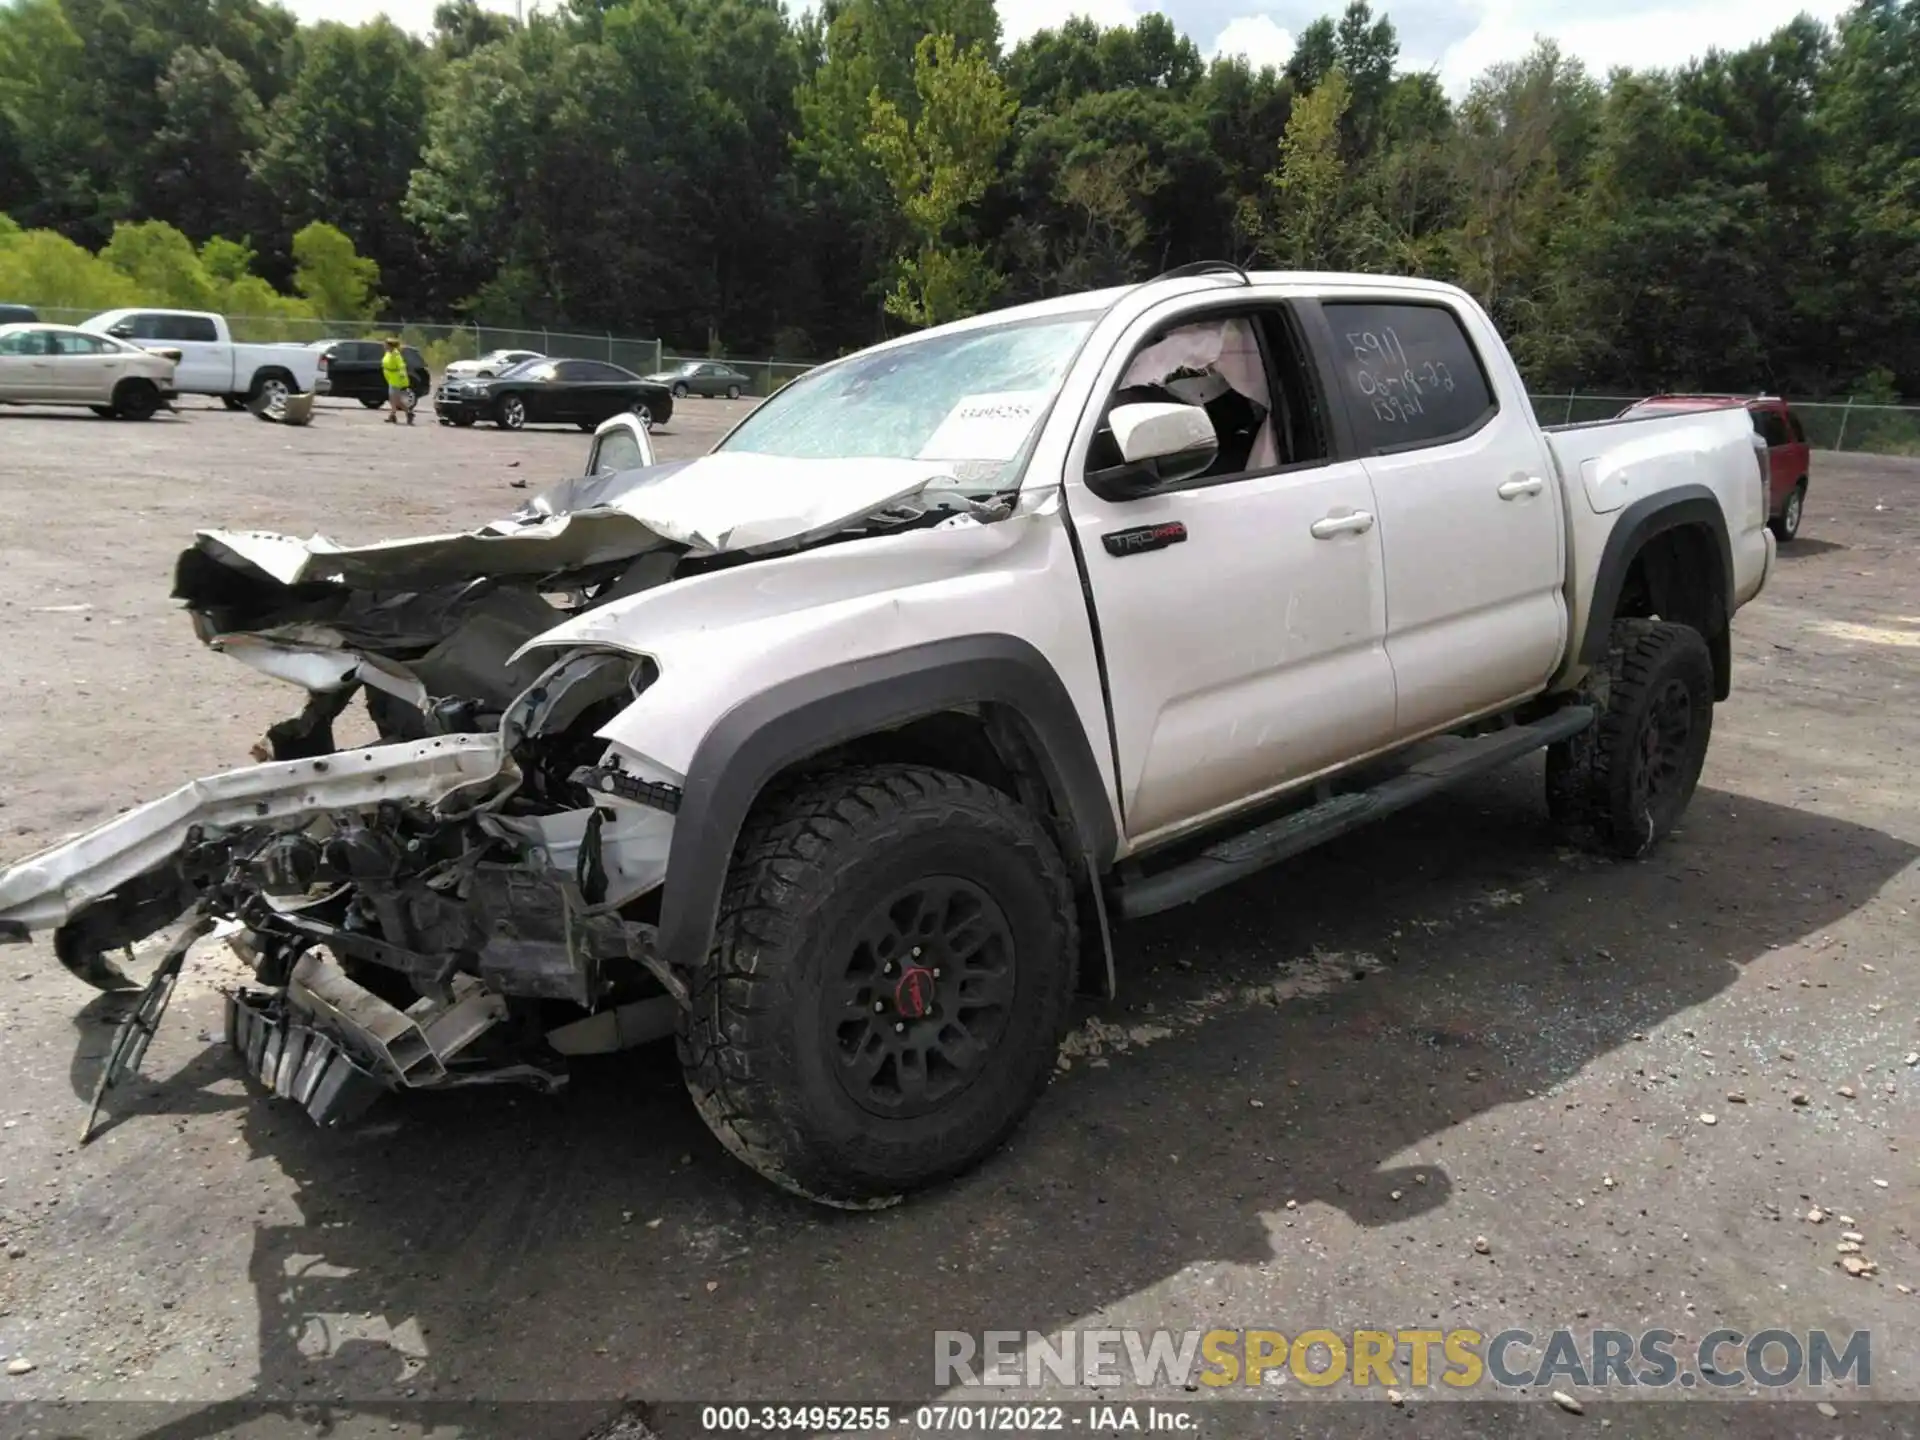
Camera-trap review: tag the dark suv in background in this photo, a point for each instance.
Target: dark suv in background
(350, 370)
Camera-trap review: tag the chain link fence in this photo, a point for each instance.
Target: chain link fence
(1830, 424)
(442, 344)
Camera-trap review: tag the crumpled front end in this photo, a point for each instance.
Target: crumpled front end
(455, 910)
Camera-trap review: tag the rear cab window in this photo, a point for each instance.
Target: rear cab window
(1409, 374)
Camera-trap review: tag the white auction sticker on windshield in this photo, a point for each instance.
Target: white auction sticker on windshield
(985, 427)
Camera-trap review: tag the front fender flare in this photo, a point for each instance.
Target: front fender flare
(768, 732)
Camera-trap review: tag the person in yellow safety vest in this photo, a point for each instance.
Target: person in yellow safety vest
(393, 365)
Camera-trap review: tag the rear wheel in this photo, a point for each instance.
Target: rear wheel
(512, 413)
(1623, 785)
(270, 394)
(1786, 524)
(135, 400)
(890, 978)
(371, 403)
(645, 416)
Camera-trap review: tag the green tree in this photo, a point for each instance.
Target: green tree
(343, 141)
(1299, 225)
(163, 265)
(338, 283)
(938, 166)
(211, 123)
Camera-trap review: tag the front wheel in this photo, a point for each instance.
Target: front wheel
(1786, 524)
(733, 392)
(680, 392)
(645, 416)
(1622, 785)
(512, 414)
(889, 982)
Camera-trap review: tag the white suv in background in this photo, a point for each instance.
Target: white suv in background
(59, 365)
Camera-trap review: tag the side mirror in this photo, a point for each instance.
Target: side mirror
(1159, 445)
(122, 331)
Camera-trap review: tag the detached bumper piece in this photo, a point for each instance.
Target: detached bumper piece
(297, 1062)
(332, 1046)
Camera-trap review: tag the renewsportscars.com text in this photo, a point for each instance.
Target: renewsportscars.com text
(1459, 1359)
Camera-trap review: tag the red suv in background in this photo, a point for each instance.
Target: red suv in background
(1773, 422)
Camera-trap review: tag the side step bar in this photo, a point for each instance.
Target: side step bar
(1242, 855)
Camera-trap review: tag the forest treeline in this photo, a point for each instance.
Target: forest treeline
(730, 177)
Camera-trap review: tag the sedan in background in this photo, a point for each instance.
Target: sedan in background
(494, 362)
(704, 377)
(59, 365)
(553, 392)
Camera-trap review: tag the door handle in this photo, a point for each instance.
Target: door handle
(1356, 522)
(1514, 489)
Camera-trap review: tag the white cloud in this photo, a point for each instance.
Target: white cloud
(1257, 38)
(1658, 36)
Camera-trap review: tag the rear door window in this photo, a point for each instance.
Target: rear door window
(24, 342)
(1773, 429)
(1409, 374)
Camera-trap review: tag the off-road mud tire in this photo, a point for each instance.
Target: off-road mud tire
(815, 862)
(1596, 787)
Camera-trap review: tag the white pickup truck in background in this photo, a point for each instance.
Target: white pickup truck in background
(837, 753)
(211, 361)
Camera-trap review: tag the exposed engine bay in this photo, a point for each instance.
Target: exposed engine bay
(471, 898)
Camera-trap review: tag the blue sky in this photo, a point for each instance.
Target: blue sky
(1459, 38)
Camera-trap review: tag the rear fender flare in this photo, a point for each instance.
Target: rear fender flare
(767, 733)
(1640, 522)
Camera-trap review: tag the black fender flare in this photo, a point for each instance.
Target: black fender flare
(1644, 519)
(770, 731)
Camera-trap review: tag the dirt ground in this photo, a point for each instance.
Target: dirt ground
(1317, 1091)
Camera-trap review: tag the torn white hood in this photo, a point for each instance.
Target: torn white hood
(736, 500)
(723, 502)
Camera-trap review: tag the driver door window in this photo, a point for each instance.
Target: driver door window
(1251, 599)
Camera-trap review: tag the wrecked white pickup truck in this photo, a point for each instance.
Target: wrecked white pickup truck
(836, 752)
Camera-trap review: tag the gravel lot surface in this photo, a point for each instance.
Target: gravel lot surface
(1317, 1094)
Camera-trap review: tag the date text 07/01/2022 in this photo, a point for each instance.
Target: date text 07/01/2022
(1103, 1418)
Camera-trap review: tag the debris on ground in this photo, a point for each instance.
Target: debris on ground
(1567, 1403)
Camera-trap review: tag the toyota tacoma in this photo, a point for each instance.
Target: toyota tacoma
(838, 753)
